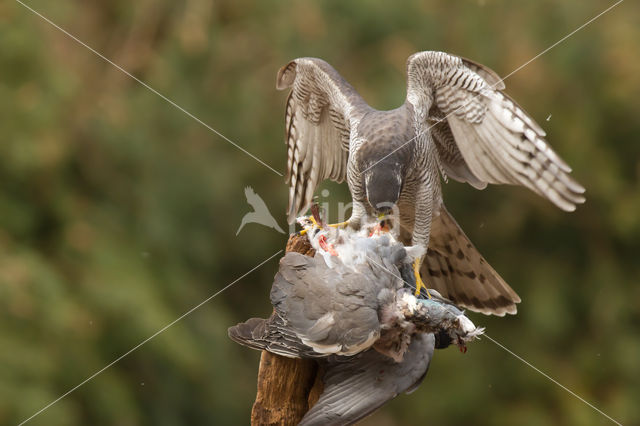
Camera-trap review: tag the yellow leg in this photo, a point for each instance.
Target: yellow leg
(419, 284)
(333, 225)
(313, 220)
(339, 225)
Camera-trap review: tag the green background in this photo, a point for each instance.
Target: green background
(118, 212)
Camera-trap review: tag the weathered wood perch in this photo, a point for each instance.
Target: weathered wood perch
(287, 387)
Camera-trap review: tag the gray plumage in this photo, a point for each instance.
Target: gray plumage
(455, 122)
(336, 308)
(332, 310)
(358, 317)
(355, 387)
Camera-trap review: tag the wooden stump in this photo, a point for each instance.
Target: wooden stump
(287, 387)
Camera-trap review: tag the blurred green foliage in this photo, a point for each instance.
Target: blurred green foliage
(118, 212)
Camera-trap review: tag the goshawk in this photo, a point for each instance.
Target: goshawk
(455, 122)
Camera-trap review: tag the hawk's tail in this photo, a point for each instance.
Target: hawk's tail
(455, 268)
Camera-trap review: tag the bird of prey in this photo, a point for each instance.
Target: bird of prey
(352, 309)
(455, 122)
(260, 214)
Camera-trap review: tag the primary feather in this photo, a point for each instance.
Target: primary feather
(354, 312)
(456, 122)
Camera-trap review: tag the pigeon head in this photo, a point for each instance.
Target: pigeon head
(383, 184)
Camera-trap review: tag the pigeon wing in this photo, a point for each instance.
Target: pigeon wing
(354, 387)
(271, 335)
(332, 310)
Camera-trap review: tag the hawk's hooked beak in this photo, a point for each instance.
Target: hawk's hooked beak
(383, 209)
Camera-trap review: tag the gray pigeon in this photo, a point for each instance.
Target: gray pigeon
(358, 317)
(455, 122)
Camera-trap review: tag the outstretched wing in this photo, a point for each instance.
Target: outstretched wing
(355, 387)
(321, 110)
(498, 141)
(451, 159)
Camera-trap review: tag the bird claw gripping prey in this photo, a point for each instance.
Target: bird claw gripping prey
(456, 123)
(351, 307)
(311, 220)
(419, 284)
(314, 224)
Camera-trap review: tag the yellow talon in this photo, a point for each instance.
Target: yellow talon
(338, 225)
(333, 225)
(304, 231)
(419, 284)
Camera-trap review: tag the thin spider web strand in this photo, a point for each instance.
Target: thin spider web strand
(562, 39)
(147, 339)
(172, 103)
(493, 86)
(516, 356)
(266, 165)
(552, 379)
